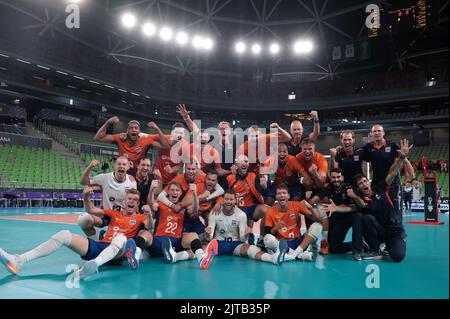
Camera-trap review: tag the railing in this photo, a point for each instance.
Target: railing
(32, 185)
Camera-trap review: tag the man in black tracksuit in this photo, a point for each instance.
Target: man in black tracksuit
(343, 216)
(383, 220)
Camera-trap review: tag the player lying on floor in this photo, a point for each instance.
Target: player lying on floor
(230, 230)
(123, 226)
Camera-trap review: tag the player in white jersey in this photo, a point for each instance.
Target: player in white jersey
(230, 230)
(114, 187)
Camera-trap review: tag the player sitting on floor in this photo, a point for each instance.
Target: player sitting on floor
(230, 229)
(124, 225)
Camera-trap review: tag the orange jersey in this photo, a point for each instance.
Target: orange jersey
(244, 195)
(289, 173)
(252, 151)
(291, 219)
(121, 224)
(208, 157)
(318, 159)
(137, 151)
(164, 158)
(204, 207)
(169, 222)
(199, 179)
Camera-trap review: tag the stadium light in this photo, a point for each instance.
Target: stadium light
(197, 42)
(240, 47)
(275, 48)
(166, 34)
(303, 47)
(182, 38)
(129, 20)
(208, 44)
(256, 49)
(149, 29)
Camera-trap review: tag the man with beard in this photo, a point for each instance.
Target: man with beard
(250, 189)
(124, 225)
(169, 241)
(347, 157)
(294, 145)
(343, 216)
(133, 144)
(383, 220)
(144, 180)
(284, 221)
(113, 186)
(257, 141)
(286, 173)
(230, 230)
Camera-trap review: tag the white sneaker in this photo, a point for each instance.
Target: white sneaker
(289, 257)
(12, 262)
(306, 256)
(89, 269)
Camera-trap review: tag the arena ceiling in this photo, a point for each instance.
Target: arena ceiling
(326, 22)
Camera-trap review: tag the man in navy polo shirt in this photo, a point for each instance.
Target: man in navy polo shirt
(383, 220)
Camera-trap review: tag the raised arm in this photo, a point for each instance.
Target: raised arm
(395, 168)
(333, 163)
(89, 205)
(316, 130)
(101, 134)
(283, 135)
(185, 114)
(85, 180)
(163, 143)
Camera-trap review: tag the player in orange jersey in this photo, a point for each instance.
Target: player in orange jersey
(284, 221)
(133, 144)
(168, 240)
(124, 225)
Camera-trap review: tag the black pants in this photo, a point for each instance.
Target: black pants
(340, 224)
(407, 200)
(375, 233)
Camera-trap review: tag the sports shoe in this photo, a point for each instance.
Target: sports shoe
(324, 248)
(314, 246)
(11, 262)
(280, 254)
(357, 256)
(289, 257)
(251, 239)
(130, 254)
(365, 246)
(168, 251)
(211, 252)
(89, 269)
(306, 256)
(372, 255)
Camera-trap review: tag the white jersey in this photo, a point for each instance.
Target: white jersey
(229, 228)
(113, 191)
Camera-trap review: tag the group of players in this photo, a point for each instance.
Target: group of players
(206, 205)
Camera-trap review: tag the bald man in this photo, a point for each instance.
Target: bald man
(294, 146)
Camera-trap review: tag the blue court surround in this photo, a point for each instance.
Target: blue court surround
(423, 274)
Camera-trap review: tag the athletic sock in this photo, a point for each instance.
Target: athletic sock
(298, 251)
(140, 243)
(107, 255)
(267, 258)
(182, 255)
(47, 248)
(325, 235)
(196, 247)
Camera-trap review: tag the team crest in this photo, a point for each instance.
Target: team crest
(234, 223)
(138, 149)
(133, 222)
(292, 216)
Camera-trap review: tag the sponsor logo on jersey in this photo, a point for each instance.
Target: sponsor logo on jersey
(388, 149)
(138, 149)
(222, 231)
(133, 222)
(292, 216)
(234, 223)
(112, 199)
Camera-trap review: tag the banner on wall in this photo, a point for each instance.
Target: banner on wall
(94, 149)
(23, 140)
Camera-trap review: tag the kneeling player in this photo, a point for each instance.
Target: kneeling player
(169, 241)
(230, 230)
(284, 221)
(124, 225)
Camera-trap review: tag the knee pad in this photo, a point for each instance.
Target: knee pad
(270, 242)
(237, 250)
(252, 251)
(119, 241)
(63, 237)
(315, 230)
(85, 221)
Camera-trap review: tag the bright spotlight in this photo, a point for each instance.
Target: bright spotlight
(129, 20)
(256, 49)
(166, 34)
(149, 29)
(240, 47)
(208, 44)
(303, 47)
(197, 42)
(275, 48)
(182, 38)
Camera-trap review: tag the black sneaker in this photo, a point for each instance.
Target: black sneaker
(365, 246)
(251, 239)
(372, 255)
(357, 256)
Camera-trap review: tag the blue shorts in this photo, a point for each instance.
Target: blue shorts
(193, 226)
(249, 211)
(95, 248)
(155, 250)
(294, 243)
(294, 191)
(227, 247)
